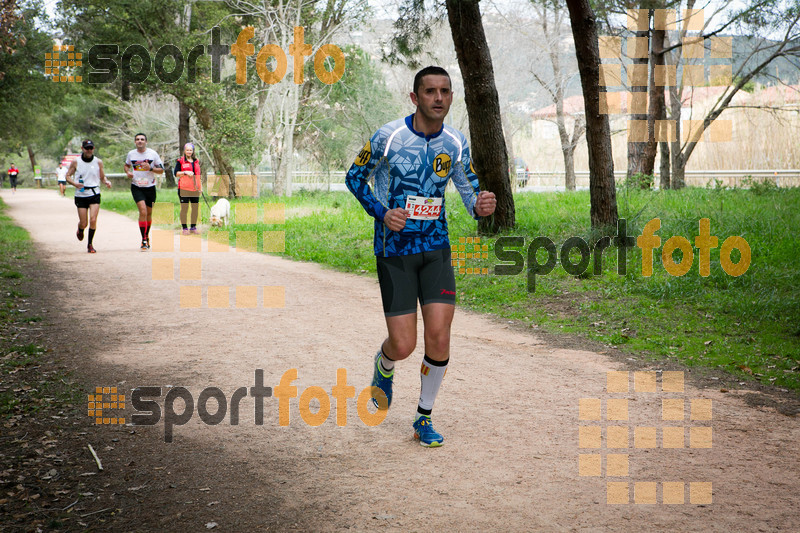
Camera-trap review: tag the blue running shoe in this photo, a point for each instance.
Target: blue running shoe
(383, 382)
(423, 430)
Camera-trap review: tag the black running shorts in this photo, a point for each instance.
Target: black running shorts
(427, 276)
(86, 201)
(144, 194)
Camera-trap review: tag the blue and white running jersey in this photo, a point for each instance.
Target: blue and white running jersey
(398, 162)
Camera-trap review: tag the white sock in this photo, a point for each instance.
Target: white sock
(431, 374)
(387, 365)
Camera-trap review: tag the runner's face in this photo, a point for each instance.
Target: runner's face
(433, 98)
(140, 142)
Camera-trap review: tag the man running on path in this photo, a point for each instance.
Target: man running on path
(141, 166)
(411, 161)
(61, 175)
(87, 171)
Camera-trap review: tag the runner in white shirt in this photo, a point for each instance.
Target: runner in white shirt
(142, 165)
(87, 171)
(61, 174)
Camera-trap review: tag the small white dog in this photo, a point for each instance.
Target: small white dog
(220, 213)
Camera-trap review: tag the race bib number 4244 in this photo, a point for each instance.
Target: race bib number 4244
(422, 208)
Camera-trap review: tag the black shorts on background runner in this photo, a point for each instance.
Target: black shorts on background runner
(83, 202)
(427, 276)
(144, 194)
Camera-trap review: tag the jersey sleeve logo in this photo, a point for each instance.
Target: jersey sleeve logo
(441, 165)
(471, 168)
(364, 155)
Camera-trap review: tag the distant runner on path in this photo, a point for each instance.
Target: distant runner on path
(61, 174)
(411, 161)
(85, 174)
(13, 172)
(141, 165)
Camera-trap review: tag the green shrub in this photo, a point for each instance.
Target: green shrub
(640, 181)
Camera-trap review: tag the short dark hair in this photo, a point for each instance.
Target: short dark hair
(427, 71)
(142, 134)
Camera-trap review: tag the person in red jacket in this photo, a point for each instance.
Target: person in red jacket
(13, 172)
(187, 171)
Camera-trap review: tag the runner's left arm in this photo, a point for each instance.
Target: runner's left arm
(103, 174)
(466, 182)
(158, 165)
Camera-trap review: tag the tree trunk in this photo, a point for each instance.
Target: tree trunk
(483, 108)
(566, 149)
(283, 178)
(664, 171)
(219, 160)
(508, 135)
(678, 161)
(636, 148)
(676, 157)
(578, 129)
(656, 101)
(183, 138)
(258, 125)
(602, 189)
(169, 177)
(553, 40)
(569, 170)
(32, 157)
(678, 170)
(222, 166)
(183, 125)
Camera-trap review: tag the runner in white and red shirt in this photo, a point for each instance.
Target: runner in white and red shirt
(142, 165)
(13, 172)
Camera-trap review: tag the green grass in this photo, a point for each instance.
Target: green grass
(24, 390)
(14, 250)
(748, 326)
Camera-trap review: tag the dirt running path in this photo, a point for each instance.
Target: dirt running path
(509, 406)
